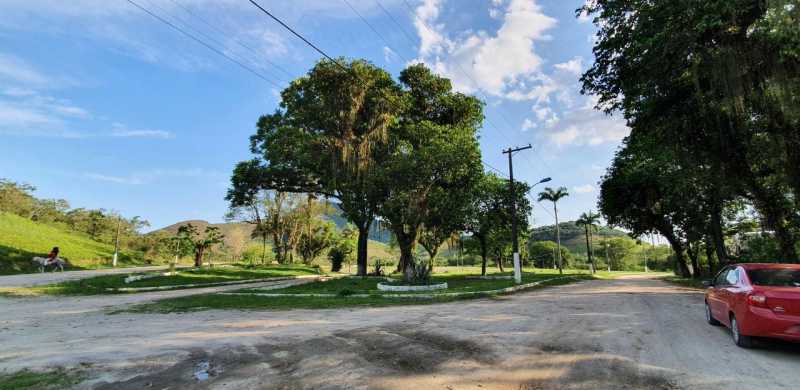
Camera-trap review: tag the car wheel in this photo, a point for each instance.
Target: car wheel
(738, 338)
(710, 317)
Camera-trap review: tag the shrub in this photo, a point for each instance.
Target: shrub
(337, 257)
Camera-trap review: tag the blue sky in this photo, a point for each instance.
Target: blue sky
(105, 106)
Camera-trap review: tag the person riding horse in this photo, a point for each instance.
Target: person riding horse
(51, 258)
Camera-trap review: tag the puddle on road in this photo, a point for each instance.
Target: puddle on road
(203, 371)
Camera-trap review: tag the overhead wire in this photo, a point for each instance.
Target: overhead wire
(200, 41)
(278, 20)
(238, 42)
(477, 87)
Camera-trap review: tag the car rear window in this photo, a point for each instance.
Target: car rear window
(775, 277)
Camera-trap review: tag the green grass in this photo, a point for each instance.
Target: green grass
(343, 287)
(99, 284)
(21, 239)
(684, 282)
(34, 380)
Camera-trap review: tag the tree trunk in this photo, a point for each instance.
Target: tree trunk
(499, 261)
(694, 254)
(717, 236)
(431, 255)
(558, 239)
(677, 247)
(710, 255)
(588, 248)
(482, 242)
(361, 253)
(407, 241)
(198, 256)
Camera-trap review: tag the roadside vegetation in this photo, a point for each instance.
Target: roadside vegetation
(344, 290)
(39, 380)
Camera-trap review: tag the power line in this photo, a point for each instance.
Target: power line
(296, 34)
(219, 30)
(374, 30)
(324, 54)
(396, 23)
(200, 41)
(477, 86)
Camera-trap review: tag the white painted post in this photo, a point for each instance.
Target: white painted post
(517, 270)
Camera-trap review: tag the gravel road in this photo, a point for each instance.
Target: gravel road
(622, 334)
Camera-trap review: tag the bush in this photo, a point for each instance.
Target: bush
(337, 257)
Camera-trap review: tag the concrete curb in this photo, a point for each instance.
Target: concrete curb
(428, 287)
(200, 285)
(412, 296)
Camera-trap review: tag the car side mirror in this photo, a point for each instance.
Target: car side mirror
(708, 283)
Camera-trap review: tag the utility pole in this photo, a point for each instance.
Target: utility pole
(515, 241)
(116, 242)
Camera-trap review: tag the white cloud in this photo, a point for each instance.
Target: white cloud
(389, 55)
(154, 175)
(584, 189)
(498, 64)
(528, 124)
(121, 131)
(13, 69)
(573, 66)
(587, 127)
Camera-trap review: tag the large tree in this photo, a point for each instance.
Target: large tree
(329, 138)
(433, 152)
(717, 82)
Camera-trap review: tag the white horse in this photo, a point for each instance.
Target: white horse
(44, 262)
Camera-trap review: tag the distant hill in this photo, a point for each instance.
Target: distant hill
(227, 228)
(21, 239)
(572, 236)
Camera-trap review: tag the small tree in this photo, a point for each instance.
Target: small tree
(554, 196)
(343, 248)
(200, 243)
(588, 222)
(315, 240)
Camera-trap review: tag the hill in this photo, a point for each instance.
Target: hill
(572, 236)
(21, 239)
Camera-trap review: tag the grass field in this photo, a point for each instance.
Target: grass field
(21, 239)
(34, 380)
(100, 284)
(344, 288)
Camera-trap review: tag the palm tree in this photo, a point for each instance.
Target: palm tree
(554, 196)
(588, 221)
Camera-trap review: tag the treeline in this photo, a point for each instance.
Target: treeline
(99, 224)
(711, 92)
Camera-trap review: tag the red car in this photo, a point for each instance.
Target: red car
(756, 300)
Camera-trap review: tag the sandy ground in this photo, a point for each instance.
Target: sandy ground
(623, 334)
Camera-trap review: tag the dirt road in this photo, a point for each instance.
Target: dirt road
(629, 333)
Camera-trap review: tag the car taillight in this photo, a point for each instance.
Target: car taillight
(757, 300)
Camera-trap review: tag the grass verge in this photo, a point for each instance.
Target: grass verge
(684, 282)
(36, 380)
(342, 287)
(101, 284)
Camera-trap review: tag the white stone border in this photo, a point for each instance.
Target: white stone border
(412, 296)
(428, 287)
(491, 277)
(215, 284)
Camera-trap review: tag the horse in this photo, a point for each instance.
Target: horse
(44, 262)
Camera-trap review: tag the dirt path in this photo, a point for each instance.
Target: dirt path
(35, 279)
(629, 333)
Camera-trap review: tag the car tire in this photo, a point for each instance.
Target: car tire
(740, 340)
(710, 317)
